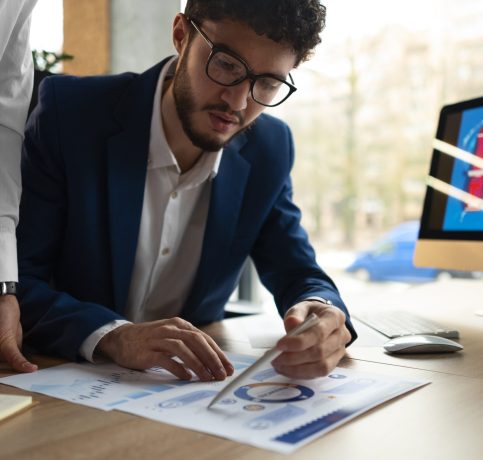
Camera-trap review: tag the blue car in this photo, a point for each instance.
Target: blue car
(391, 259)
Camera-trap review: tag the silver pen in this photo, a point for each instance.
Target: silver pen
(267, 357)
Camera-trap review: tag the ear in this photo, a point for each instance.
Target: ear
(181, 30)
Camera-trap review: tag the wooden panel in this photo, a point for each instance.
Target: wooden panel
(86, 36)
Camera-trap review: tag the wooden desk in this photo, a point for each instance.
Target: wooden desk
(441, 421)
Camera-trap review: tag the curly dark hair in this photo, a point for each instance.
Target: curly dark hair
(295, 22)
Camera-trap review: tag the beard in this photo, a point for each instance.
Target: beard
(186, 106)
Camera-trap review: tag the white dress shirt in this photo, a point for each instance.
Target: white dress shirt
(16, 79)
(175, 210)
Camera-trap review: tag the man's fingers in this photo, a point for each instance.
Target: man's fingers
(316, 361)
(317, 352)
(331, 319)
(295, 316)
(313, 369)
(226, 368)
(305, 340)
(224, 360)
(177, 341)
(191, 360)
(177, 369)
(11, 354)
(23, 365)
(211, 365)
(206, 353)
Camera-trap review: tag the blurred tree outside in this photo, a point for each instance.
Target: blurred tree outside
(364, 118)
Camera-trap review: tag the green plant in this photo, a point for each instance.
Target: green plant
(46, 60)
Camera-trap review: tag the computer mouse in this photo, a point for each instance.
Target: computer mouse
(421, 344)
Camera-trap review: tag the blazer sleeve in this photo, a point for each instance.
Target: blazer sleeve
(54, 322)
(284, 258)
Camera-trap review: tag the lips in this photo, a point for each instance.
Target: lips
(222, 122)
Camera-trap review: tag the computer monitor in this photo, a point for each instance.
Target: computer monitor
(451, 231)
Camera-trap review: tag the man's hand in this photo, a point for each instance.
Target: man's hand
(315, 352)
(144, 345)
(11, 335)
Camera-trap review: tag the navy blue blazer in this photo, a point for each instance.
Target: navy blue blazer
(84, 167)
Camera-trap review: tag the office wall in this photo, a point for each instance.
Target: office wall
(112, 36)
(141, 33)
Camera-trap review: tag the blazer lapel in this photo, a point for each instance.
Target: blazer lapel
(226, 199)
(127, 164)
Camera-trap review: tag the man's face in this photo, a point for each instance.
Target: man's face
(211, 114)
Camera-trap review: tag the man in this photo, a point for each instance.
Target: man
(16, 75)
(144, 195)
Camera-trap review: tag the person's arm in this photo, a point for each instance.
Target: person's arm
(16, 77)
(16, 80)
(54, 321)
(11, 335)
(286, 265)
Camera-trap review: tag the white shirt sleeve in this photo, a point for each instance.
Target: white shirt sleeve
(16, 79)
(10, 186)
(88, 345)
(320, 299)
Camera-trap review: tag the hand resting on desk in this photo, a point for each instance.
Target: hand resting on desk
(317, 351)
(11, 335)
(156, 343)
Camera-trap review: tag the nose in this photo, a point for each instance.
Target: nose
(236, 96)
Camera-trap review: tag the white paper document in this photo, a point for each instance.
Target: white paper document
(103, 386)
(268, 411)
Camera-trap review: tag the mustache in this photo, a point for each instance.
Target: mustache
(226, 109)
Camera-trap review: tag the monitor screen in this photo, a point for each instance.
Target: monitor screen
(451, 232)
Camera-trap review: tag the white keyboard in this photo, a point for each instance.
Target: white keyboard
(397, 323)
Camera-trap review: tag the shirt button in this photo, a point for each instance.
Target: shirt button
(174, 195)
(165, 252)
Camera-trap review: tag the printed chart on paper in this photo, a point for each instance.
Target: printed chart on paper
(268, 410)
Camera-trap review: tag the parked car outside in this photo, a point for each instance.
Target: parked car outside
(391, 259)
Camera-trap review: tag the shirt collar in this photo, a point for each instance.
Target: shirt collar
(160, 154)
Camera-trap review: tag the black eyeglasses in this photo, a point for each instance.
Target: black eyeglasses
(226, 68)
